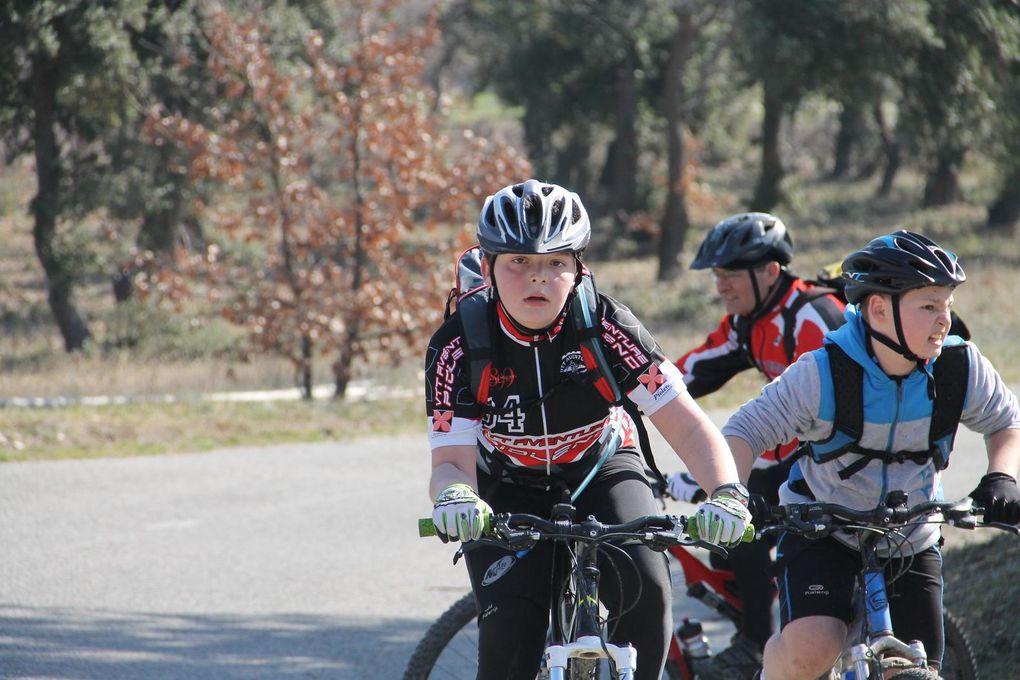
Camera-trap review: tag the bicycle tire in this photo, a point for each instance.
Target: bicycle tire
(455, 624)
(583, 669)
(958, 662)
(915, 674)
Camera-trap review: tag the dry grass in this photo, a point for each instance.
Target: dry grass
(147, 429)
(196, 355)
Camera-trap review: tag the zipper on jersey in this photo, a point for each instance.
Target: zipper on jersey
(545, 422)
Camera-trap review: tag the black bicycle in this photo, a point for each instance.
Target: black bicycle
(872, 650)
(577, 645)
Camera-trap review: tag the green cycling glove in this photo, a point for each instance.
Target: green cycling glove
(723, 518)
(459, 514)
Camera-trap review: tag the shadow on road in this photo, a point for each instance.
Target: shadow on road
(94, 644)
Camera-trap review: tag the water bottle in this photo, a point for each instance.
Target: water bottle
(692, 639)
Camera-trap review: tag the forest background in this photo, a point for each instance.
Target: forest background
(202, 197)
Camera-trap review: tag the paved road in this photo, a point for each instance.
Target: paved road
(277, 562)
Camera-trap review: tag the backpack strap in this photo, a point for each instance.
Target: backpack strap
(476, 322)
(951, 373)
(585, 317)
(789, 315)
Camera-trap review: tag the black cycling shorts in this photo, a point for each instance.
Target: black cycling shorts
(514, 591)
(817, 578)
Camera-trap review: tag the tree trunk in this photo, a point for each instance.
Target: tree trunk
(623, 196)
(342, 373)
(851, 129)
(1004, 213)
(943, 184)
(46, 205)
(675, 222)
(890, 151)
(768, 194)
(537, 133)
(305, 368)
(572, 167)
(161, 224)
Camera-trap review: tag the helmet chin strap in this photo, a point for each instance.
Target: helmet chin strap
(532, 331)
(901, 346)
(759, 301)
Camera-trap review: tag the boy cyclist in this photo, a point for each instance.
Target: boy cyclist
(900, 287)
(772, 317)
(535, 431)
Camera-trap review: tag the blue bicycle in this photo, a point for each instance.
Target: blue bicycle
(872, 651)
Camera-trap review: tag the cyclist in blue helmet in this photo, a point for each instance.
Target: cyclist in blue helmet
(772, 317)
(911, 383)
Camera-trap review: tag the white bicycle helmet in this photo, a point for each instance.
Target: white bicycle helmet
(533, 217)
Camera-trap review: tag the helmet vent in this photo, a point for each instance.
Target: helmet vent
(533, 212)
(575, 214)
(506, 206)
(518, 190)
(945, 259)
(557, 210)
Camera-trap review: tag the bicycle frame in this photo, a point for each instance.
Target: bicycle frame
(872, 626)
(587, 637)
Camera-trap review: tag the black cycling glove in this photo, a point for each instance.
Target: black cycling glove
(998, 494)
(761, 510)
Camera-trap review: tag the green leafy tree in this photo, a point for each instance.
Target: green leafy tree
(946, 104)
(579, 71)
(1003, 141)
(333, 234)
(75, 79)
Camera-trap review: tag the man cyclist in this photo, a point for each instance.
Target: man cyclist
(534, 433)
(895, 354)
(772, 317)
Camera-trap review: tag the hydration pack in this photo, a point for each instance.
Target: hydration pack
(950, 373)
(471, 298)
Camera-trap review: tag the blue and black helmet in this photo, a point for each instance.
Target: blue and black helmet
(743, 241)
(899, 262)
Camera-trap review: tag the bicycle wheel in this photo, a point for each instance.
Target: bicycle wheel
(915, 674)
(450, 646)
(958, 662)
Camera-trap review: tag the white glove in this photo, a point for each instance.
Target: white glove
(459, 514)
(683, 487)
(722, 520)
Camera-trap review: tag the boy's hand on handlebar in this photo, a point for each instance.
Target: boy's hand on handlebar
(723, 518)
(683, 487)
(998, 494)
(459, 514)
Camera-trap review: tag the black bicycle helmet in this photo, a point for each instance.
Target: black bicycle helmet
(743, 241)
(899, 262)
(533, 217)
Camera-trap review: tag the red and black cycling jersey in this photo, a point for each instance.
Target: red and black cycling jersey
(759, 341)
(542, 407)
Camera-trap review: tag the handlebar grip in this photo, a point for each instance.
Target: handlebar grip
(426, 527)
(692, 531)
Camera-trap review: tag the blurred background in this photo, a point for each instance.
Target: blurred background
(205, 196)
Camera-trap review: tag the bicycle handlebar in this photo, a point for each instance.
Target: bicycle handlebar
(503, 524)
(816, 519)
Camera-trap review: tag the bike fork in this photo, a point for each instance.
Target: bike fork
(588, 643)
(590, 647)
